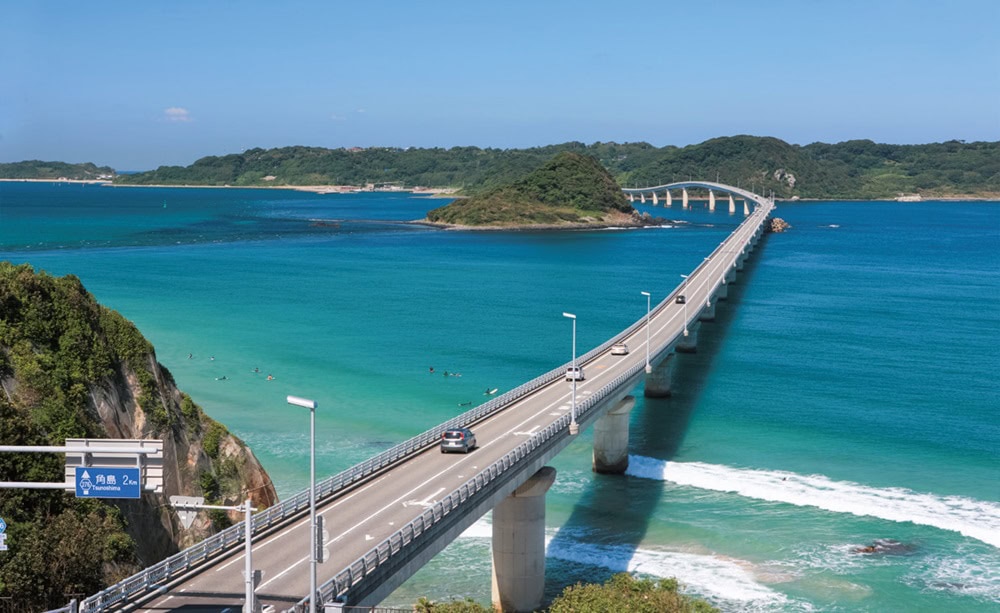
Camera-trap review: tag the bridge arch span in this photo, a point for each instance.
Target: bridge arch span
(721, 187)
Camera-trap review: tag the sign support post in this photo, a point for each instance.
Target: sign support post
(185, 503)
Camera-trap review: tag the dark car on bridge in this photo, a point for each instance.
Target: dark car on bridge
(681, 299)
(458, 439)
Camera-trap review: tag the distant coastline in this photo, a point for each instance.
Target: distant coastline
(88, 181)
(317, 189)
(450, 192)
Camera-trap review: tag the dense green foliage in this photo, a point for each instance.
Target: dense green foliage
(57, 346)
(36, 169)
(623, 592)
(567, 189)
(852, 169)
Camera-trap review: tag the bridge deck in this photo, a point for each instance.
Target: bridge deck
(362, 517)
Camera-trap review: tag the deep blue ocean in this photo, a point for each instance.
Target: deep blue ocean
(846, 394)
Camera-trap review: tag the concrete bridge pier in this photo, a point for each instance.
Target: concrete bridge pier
(731, 275)
(519, 545)
(658, 380)
(708, 312)
(611, 439)
(711, 201)
(643, 197)
(631, 198)
(732, 205)
(746, 208)
(684, 198)
(722, 292)
(689, 343)
(656, 200)
(670, 201)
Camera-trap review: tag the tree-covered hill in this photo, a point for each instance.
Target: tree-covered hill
(852, 169)
(70, 368)
(37, 169)
(568, 189)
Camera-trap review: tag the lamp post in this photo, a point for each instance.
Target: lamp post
(311, 405)
(649, 369)
(573, 427)
(708, 294)
(683, 293)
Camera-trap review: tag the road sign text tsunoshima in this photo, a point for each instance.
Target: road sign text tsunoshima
(105, 482)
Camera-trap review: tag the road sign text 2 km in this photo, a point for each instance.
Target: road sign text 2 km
(105, 482)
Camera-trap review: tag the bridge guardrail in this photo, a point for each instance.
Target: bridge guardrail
(353, 574)
(168, 569)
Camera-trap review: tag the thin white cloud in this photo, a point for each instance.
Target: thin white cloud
(337, 117)
(177, 114)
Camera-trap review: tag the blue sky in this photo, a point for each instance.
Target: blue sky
(138, 84)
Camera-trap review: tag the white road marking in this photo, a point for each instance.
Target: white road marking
(528, 433)
(426, 502)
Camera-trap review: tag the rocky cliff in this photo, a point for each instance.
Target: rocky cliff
(70, 368)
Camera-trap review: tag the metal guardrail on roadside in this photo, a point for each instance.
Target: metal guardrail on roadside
(343, 581)
(163, 572)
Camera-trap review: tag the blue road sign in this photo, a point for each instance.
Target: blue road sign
(3, 525)
(106, 482)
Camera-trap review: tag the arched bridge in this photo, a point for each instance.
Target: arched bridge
(655, 194)
(389, 515)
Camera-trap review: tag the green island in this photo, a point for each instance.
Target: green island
(55, 171)
(857, 169)
(570, 190)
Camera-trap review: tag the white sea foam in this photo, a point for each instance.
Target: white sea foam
(716, 578)
(721, 579)
(976, 575)
(972, 518)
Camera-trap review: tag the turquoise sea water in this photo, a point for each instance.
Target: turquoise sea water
(846, 393)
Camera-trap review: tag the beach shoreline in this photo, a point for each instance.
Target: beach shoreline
(316, 189)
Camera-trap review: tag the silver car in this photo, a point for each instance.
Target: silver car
(458, 439)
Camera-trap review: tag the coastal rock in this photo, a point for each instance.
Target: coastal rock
(778, 225)
(783, 175)
(197, 451)
(70, 367)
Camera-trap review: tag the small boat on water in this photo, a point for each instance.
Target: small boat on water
(491, 391)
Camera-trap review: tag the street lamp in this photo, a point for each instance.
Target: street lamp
(683, 293)
(573, 427)
(708, 294)
(311, 405)
(649, 369)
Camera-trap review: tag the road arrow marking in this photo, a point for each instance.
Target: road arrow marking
(426, 502)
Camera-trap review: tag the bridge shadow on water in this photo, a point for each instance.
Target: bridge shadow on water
(611, 519)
